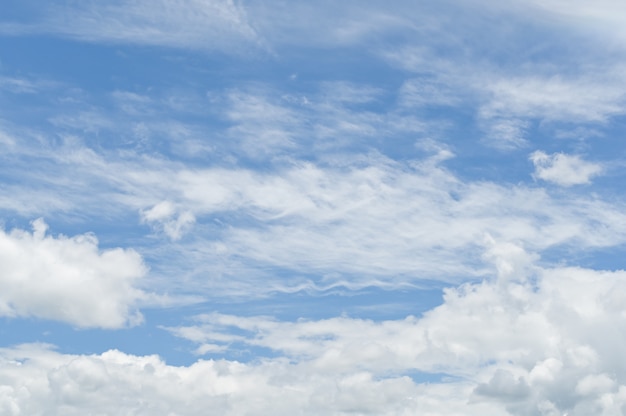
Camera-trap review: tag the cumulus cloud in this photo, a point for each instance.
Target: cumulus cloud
(563, 169)
(68, 279)
(549, 342)
(546, 344)
(38, 380)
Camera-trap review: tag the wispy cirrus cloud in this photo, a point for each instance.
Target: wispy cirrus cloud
(602, 18)
(346, 216)
(509, 101)
(189, 24)
(359, 222)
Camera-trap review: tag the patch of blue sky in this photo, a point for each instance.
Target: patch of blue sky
(600, 258)
(369, 303)
(146, 339)
(426, 377)
(152, 337)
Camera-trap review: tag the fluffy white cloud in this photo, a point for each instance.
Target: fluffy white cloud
(37, 380)
(563, 169)
(533, 340)
(68, 279)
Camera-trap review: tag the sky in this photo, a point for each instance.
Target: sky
(269, 207)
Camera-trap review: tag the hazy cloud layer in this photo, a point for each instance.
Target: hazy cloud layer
(205, 25)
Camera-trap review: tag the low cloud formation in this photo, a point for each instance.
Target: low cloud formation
(36, 380)
(563, 169)
(534, 342)
(531, 340)
(68, 279)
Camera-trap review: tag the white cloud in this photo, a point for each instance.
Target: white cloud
(487, 61)
(160, 211)
(195, 24)
(268, 123)
(428, 92)
(548, 342)
(6, 140)
(357, 222)
(510, 100)
(557, 99)
(385, 219)
(68, 279)
(38, 380)
(343, 219)
(528, 340)
(511, 103)
(563, 169)
(165, 216)
(505, 133)
(18, 85)
(330, 24)
(602, 17)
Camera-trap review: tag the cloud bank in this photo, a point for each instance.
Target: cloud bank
(531, 340)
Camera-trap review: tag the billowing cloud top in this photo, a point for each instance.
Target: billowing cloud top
(68, 279)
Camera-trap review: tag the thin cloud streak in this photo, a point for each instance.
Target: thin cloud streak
(189, 24)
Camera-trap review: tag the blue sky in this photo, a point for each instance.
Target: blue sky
(270, 207)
